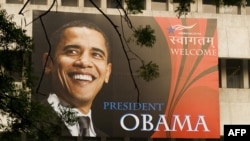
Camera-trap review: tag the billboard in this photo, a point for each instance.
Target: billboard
(183, 102)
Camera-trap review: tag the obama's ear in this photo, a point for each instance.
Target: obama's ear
(47, 63)
(108, 72)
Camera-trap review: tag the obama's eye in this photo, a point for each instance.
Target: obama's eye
(71, 51)
(97, 55)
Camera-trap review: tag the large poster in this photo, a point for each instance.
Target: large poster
(194, 79)
(183, 102)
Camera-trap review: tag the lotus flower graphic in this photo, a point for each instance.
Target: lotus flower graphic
(171, 29)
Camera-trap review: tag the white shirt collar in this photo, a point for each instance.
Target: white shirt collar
(58, 107)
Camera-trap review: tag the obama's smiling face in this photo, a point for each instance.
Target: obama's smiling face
(80, 66)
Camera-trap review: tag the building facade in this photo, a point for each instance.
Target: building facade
(233, 24)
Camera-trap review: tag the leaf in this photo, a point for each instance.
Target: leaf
(149, 71)
(145, 36)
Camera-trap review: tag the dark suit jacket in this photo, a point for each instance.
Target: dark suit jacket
(64, 130)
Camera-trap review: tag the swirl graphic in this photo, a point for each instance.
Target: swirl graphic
(181, 27)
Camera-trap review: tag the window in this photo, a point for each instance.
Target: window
(248, 7)
(38, 2)
(87, 3)
(248, 2)
(159, 5)
(208, 2)
(209, 6)
(69, 2)
(113, 3)
(220, 72)
(14, 1)
(248, 72)
(234, 73)
(176, 4)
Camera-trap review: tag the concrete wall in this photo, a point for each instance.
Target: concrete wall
(234, 106)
